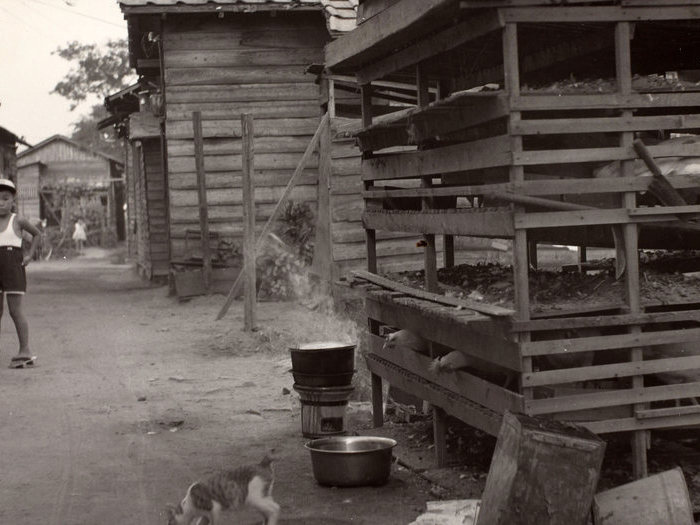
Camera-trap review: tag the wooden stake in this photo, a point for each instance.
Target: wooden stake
(202, 194)
(249, 251)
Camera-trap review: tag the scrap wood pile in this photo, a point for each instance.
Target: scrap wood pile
(665, 278)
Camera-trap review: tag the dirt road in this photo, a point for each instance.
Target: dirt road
(136, 396)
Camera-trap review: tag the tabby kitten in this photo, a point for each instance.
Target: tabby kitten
(232, 489)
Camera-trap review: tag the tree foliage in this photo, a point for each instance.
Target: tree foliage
(97, 71)
(85, 132)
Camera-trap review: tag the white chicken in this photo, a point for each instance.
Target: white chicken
(406, 340)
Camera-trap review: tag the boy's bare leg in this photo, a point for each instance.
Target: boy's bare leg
(15, 305)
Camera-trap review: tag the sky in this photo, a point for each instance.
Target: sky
(29, 31)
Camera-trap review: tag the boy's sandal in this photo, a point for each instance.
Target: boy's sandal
(22, 362)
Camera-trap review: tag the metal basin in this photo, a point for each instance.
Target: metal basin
(351, 461)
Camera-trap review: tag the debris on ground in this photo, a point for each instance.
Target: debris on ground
(449, 512)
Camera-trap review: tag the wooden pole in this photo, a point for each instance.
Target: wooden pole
(233, 292)
(249, 251)
(323, 252)
(202, 197)
(631, 233)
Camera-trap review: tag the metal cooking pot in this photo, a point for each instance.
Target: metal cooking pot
(351, 461)
(326, 357)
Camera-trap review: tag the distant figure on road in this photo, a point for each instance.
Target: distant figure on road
(13, 279)
(80, 234)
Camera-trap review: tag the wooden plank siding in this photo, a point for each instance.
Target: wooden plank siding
(395, 250)
(157, 219)
(243, 63)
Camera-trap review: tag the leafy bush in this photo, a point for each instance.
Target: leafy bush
(282, 271)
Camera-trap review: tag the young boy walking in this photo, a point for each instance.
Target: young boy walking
(13, 280)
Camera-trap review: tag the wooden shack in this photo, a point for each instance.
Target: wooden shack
(516, 138)
(229, 57)
(59, 164)
(224, 59)
(138, 126)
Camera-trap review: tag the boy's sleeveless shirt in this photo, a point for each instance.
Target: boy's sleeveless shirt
(8, 237)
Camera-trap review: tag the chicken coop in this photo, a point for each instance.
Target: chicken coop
(536, 122)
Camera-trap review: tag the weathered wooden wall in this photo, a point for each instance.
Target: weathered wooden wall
(65, 163)
(28, 192)
(395, 250)
(131, 202)
(151, 214)
(242, 63)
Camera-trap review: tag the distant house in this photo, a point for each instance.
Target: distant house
(28, 200)
(59, 166)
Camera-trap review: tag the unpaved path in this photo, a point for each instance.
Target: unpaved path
(137, 395)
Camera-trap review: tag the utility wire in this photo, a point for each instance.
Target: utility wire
(77, 13)
(33, 28)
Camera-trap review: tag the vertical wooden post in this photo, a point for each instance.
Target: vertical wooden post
(370, 235)
(532, 254)
(331, 98)
(202, 193)
(323, 252)
(431, 280)
(249, 249)
(449, 248)
(511, 72)
(631, 235)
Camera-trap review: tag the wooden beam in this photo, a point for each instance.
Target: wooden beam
(457, 406)
(488, 223)
(249, 251)
(434, 297)
(606, 124)
(616, 397)
(598, 14)
(382, 33)
(441, 325)
(592, 373)
(547, 102)
(546, 186)
(485, 153)
(524, 221)
(323, 243)
(433, 45)
(462, 382)
(202, 198)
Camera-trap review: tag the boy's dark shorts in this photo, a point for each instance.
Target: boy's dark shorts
(13, 278)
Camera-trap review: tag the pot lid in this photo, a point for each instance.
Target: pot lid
(324, 345)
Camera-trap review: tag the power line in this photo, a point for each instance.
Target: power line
(36, 29)
(78, 13)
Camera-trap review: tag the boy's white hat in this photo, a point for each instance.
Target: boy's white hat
(8, 185)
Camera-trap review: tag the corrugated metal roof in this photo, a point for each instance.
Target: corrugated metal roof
(340, 14)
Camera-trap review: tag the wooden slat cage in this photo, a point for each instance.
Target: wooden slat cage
(509, 142)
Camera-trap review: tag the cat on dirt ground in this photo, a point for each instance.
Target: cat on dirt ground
(249, 485)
